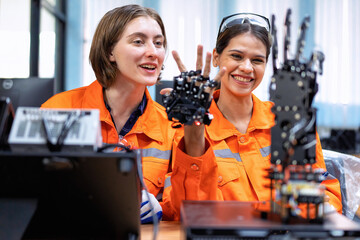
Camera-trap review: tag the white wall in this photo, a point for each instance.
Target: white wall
(336, 33)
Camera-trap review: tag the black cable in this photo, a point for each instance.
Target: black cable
(142, 184)
(49, 144)
(115, 145)
(70, 121)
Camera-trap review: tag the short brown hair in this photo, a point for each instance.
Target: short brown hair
(108, 32)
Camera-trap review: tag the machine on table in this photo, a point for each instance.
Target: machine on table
(57, 182)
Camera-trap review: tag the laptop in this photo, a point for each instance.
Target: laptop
(69, 196)
(239, 220)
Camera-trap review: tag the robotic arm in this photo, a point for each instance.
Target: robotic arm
(190, 99)
(293, 138)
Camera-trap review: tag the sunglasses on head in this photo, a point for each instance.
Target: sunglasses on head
(240, 18)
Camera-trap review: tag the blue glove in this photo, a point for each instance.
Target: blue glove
(146, 215)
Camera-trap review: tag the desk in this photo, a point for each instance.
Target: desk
(168, 230)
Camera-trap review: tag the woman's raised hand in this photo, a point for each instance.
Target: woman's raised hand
(199, 63)
(194, 137)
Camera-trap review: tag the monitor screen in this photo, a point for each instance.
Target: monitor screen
(27, 92)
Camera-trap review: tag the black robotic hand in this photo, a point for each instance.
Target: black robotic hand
(293, 87)
(190, 99)
(293, 137)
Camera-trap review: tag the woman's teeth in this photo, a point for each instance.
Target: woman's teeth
(147, 66)
(241, 79)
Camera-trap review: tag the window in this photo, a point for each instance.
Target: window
(15, 38)
(32, 42)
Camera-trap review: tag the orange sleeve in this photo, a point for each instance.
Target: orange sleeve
(192, 178)
(332, 184)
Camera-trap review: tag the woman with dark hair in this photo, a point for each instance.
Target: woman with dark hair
(127, 55)
(227, 160)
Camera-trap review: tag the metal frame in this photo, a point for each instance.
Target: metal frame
(59, 13)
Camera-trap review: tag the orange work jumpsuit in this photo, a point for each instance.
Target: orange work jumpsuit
(233, 166)
(152, 131)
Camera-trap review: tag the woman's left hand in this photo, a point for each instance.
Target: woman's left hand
(194, 135)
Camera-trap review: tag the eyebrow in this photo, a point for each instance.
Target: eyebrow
(140, 34)
(238, 51)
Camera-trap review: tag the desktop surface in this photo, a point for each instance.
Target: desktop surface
(168, 230)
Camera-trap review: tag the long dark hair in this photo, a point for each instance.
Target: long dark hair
(259, 32)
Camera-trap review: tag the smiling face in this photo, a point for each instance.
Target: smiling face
(245, 61)
(139, 53)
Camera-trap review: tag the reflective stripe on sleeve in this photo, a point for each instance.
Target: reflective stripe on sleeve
(265, 151)
(167, 182)
(154, 152)
(226, 153)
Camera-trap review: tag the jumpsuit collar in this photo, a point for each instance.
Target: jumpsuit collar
(94, 98)
(262, 118)
(133, 117)
(148, 122)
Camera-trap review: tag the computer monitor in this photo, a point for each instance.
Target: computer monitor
(27, 92)
(69, 195)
